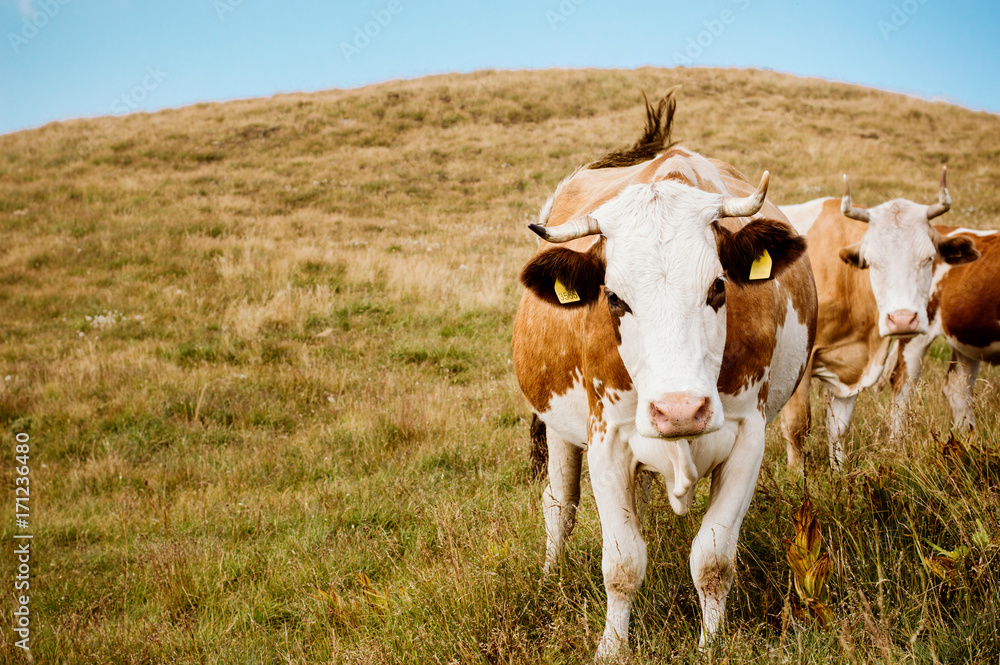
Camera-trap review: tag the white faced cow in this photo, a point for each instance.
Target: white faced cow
(670, 359)
(965, 308)
(873, 272)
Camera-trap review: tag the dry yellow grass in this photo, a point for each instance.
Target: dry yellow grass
(295, 370)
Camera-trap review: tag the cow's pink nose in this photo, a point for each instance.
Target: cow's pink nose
(902, 322)
(680, 414)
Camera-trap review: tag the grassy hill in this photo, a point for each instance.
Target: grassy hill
(261, 350)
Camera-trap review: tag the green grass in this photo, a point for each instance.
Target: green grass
(262, 350)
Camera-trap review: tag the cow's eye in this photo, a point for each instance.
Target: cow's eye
(717, 294)
(617, 306)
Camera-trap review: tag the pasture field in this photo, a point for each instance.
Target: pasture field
(262, 352)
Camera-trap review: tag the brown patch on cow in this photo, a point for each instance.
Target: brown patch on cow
(539, 449)
(603, 367)
(547, 349)
(801, 290)
(762, 398)
(969, 297)
(654, 139)
(678, 177)
(750, 339)
(728, 170)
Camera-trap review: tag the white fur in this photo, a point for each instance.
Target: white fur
(802, 216)
(567, 415)
(662, 260)
(900, 254)
(974, 232)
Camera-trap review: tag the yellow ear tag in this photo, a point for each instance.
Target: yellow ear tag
(761, 268)
(564, 294)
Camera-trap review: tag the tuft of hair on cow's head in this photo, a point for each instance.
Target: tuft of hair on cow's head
(655, 138)
(582, 272)
(738, 250)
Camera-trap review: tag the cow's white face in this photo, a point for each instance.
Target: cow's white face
(665, 284)
(660, 273)
(898, 251)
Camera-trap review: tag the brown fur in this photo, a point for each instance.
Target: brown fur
(655, 138)
(737, 251)
(847, 339)
(958, 250)
(548, 340)
(969, 296)
(750, 339)
(581, 271)
(601, 360)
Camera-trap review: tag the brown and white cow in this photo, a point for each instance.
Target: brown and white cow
(671, 359)
(873, 270)
(965, 308)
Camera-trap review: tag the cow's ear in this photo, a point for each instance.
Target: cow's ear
(579, 275)
(958, 250)
(851, 255)
(738, 251)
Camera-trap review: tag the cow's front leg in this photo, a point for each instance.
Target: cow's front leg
(959, 381)
(838, 422)
(906, 371)
(713, 552)
(561, 496)
(795, 417)
(612, 475)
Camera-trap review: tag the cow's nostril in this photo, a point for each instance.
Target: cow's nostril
(680, 414)
(702, 415)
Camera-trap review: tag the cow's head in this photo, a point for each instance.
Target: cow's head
(898, 248)
(663, 272)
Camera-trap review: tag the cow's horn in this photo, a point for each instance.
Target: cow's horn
(577, 227)
(944, 200)
(736, 206)
(848, 208)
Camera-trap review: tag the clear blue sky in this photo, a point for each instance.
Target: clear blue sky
(72, 58)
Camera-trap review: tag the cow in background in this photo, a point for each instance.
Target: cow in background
(668, 314)
(964, 307)
(874, 271)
